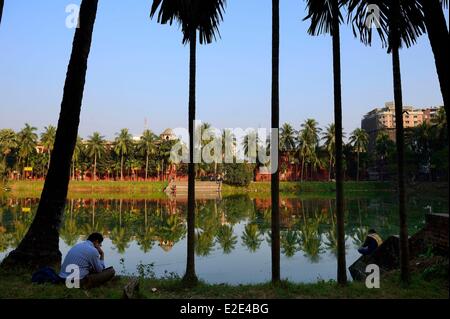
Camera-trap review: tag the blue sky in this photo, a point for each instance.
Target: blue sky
(138, 70)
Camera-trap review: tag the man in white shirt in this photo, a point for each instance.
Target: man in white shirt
(89, 257)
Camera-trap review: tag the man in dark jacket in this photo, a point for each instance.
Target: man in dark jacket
(372, 242)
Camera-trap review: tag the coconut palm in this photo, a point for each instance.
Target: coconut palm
(77, 151)
(325, 16)
(359, 140)
(250, 145)
(308, 140)
(41, 243)
(147, 147)
(96, 149)
(287, 138)
(48, 141)
(8, 142)
(329, 137)
(193, 16)
(400, 24)
(27, 139)
(123, 145)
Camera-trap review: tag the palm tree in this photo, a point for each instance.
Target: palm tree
(400, 24)
(275, 158)
(193, 16)
(27, 143)
(308, 140)
(359, 140)
(250, 145)
(41, 243)
(123, 147)
(96, 149)
(329, 136)
(326, 17)
(78, 150)
(147, 147)
(8, 142)
(48, 141)
(287, 138)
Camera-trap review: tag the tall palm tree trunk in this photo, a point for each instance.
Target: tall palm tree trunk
(146, 167)
(303, 166)
(398, 98)
(275, 185)
(357, 167)
(190, 278)
(341, 268)
(121, 167)
(95, 167)
(40, 245)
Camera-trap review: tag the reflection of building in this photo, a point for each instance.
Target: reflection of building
(166, 245)
(383, 120)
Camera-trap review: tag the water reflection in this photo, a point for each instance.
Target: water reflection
(232, 234)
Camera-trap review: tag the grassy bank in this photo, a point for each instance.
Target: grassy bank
(154, 190)
(422, 286)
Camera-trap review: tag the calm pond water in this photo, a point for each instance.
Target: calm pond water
(233, 244)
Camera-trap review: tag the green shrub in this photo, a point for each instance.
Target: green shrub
(238, 174)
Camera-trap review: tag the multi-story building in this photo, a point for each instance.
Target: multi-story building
(383, 120)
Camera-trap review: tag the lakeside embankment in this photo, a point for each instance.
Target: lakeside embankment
(429, 281)
(154, 190)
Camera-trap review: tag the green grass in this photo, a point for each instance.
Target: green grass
(154, 190)
(19, 286)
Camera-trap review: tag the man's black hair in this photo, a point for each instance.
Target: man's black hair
(95, 237)
(372, 231)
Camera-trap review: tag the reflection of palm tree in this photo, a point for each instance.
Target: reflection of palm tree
(146, 239)
(120, 238)
(310, 239)
(226, 238)
(252, 237)
(289, 241)
(169, 229)
(204, 243)
(69, 232)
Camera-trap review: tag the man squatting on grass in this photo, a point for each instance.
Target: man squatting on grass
(89, 257)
